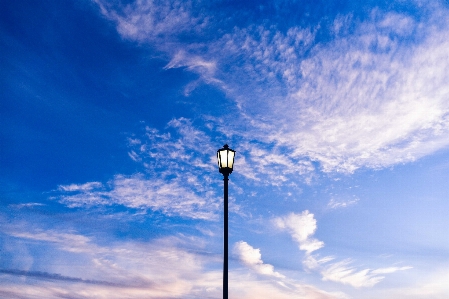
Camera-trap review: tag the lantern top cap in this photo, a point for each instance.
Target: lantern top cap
(226, 147)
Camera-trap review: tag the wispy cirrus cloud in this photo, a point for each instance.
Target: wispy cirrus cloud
(182, 147)
(176, 179)
(172, 198)
(273, 165)
(179, 175)
(369, 98)
(390, 270)
(367, 103)
(156, 21)
(67, 241)
(80, 187)
(373, 95)
(27, 205)
(51, 276)
(343, 272)
(336, 203)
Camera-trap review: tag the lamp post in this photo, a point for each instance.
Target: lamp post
(225, 158)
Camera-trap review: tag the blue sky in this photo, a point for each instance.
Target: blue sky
(112, 112)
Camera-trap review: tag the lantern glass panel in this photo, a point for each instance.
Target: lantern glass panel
(223, 159)
(230, 159)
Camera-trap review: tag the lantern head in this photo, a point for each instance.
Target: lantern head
(225, 158)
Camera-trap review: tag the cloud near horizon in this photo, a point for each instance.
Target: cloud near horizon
(161, 268)
(166, 267)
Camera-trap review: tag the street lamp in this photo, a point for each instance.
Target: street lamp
(225, 158)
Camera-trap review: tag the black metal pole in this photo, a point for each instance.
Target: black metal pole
(225, 261)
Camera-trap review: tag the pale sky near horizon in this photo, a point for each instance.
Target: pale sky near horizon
(111, 113)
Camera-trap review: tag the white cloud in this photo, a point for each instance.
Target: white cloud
(374, 96)
(179, 180)
(301, 227)
(274, 166)
(204, 286)
(134, 156)
(193, 63)
(170, 267)
(80, 187)
(170, 197)
(342, 272)
(390, 270)
(182, 150)
(252, 258)
(432, 284)
(26, 205)
(311, 262)
(369, 99)
(158, 269)
(67, 241)
(248, 287)
(342, 203)
(145, 20)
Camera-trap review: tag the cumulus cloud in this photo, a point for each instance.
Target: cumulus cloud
(301, 227)
(252, 258)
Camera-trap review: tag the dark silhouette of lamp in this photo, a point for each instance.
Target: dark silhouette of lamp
(225, 158)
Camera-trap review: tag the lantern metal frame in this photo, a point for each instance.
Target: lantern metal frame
(225, 158)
